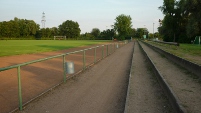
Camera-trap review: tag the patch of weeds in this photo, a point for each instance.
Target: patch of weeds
(152, 76)
(195, 78)
(163, 56)
(174, 48)
(167, 107)
(199, 81)
(74, 78)
(188, 73)
(185, 105)
(191, 75)
(186, 90)
(193, 87)
(162, 96)
(149, 68)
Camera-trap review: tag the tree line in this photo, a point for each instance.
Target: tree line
(182, 20)
(18, 28)
(28, 29)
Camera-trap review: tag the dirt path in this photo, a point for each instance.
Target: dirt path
(145, 93)
(100, 89)
(185, 85)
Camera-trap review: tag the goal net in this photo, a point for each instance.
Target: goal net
(59, 37)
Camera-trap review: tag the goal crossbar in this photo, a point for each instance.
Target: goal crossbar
(64, 37)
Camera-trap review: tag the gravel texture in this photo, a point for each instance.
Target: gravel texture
(186, 86)
(145, 93)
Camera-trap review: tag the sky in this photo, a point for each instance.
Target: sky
(89, 14)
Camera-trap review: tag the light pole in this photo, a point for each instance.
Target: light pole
(153, 30)
(144, 32)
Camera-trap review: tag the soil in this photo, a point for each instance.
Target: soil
(185, 85)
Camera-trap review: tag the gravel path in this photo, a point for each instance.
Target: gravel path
(100, 89)
(185, 85)
(145, 93)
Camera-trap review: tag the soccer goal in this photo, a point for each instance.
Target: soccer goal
(59, 37)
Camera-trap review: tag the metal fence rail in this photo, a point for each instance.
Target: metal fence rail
(105, 51)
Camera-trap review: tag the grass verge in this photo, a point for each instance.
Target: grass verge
(189, 52)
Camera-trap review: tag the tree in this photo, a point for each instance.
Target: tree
(43, 33)
(182, 20)
(5, 29)
(70, 29)
(48, 32)
(133, 32)
(26, 28)
(171, 20)
(55, 31)
(107, 34)
(168, 7)
(140, 32)
(193, 10)
(14, 29)
(0, 29)
(123, 26)
(18, 28)
(87, 36)
(95, 32)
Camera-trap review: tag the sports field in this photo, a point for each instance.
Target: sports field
(18, 47)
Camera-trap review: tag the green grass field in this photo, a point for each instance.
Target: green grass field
(190, 49)
(18, 47)
(190, 52)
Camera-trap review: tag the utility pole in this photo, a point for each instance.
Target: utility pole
(153, 30)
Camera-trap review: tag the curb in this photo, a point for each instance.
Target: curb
(175, 102)
(128, 89)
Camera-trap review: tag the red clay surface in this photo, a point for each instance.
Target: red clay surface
(38, 77)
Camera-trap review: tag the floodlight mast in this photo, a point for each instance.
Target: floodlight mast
(43, 20)
(153, 30)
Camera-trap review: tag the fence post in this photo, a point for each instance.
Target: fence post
(114, 48)
(102, 51)
(19, 88)
(107, 50)
(84, 60)
(64, 68)
(110, 48)
(94, 55)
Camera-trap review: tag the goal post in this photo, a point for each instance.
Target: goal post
(59, 37)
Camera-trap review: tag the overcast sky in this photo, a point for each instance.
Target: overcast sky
(88, 13)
